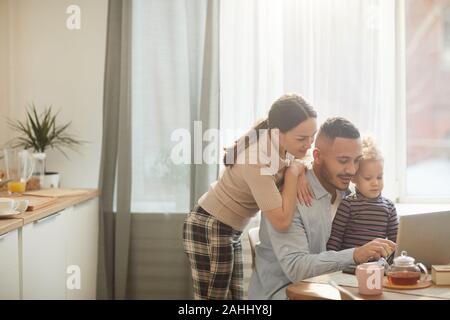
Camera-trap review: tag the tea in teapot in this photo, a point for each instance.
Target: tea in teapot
(405, 272)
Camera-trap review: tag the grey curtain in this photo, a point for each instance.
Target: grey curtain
(207, 110)
(115, 170)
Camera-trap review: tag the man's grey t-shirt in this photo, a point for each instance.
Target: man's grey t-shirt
(283, 258)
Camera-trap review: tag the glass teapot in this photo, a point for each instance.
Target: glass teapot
(405, 272)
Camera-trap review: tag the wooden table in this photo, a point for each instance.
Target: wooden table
(317, 289)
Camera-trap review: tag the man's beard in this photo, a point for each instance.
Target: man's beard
(328, 177)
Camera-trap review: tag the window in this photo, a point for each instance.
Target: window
(160, 97)
(341, 56)
(428, 98)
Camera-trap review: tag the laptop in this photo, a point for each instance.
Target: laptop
(426, 237)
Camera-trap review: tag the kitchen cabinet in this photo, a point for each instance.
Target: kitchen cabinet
(82, 250)
(9, 266)
(51, 252)
(44, 257)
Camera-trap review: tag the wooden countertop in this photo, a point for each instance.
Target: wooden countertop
(7, 225)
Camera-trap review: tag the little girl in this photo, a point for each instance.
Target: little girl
(366, 214)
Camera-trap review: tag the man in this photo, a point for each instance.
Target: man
(283, 258)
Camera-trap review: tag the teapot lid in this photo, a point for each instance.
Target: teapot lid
(404, 259)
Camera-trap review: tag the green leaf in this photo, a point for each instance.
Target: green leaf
(40, 132)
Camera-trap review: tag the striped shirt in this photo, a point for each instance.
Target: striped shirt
(360, 219)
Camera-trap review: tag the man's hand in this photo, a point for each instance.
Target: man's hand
(374, 249)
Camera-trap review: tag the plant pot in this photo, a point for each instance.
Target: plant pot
(51, 180)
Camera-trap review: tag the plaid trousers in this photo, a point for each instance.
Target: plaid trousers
(215, 253)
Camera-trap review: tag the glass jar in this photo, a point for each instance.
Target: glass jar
(39, 168)
(405, 272)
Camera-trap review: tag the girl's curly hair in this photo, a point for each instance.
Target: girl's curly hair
(370, 150)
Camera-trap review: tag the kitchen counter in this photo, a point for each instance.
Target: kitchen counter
(7, 225)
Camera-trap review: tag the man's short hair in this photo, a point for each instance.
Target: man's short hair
(338, 127)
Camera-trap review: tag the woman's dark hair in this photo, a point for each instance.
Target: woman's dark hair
(285, 114)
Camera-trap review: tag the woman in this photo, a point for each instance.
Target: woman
(212, 231)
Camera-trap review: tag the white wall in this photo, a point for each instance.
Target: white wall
(4, 62)
(51, 65)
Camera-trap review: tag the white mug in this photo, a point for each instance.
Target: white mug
(21, 205)
(370, 278)
(8, 205)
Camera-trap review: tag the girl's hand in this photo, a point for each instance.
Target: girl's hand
(304, 191)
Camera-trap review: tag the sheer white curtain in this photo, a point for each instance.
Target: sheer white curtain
(160, 104)
(251, 62)
(339, 55)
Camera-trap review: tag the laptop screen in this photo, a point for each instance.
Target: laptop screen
(426, 237)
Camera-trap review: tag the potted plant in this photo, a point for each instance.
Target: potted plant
(40, 132)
